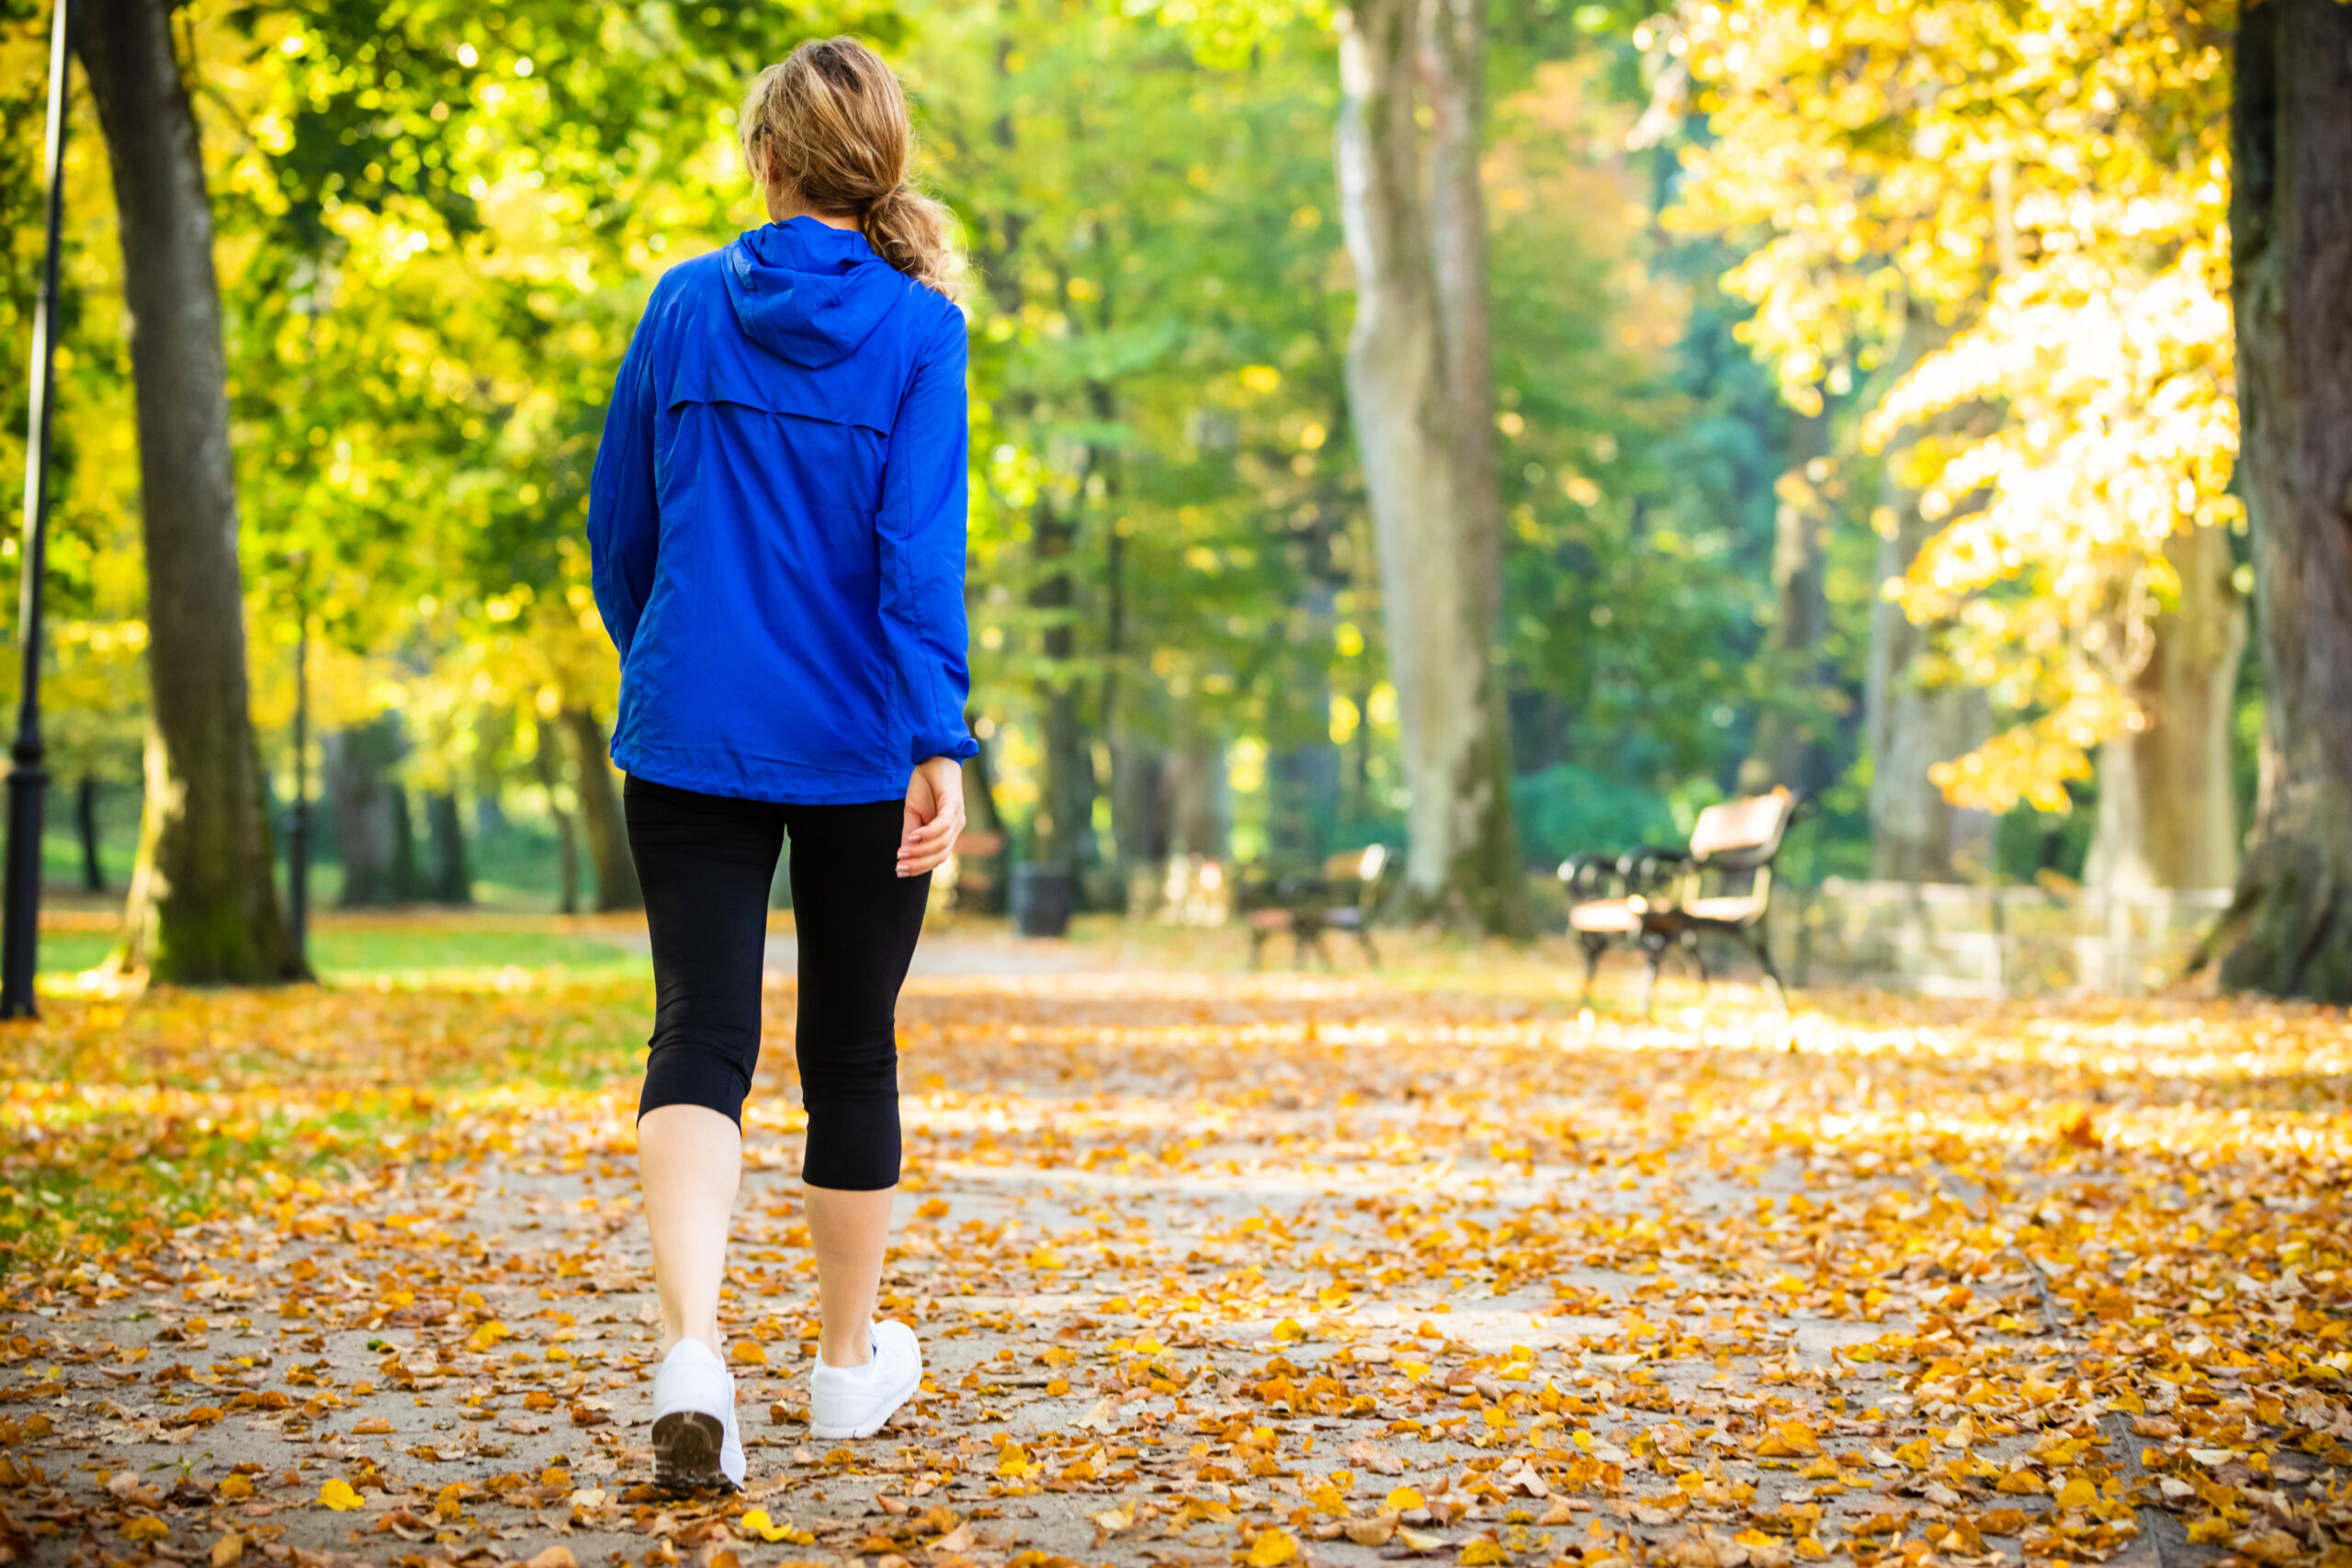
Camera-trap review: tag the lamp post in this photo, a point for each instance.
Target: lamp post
(298, 833)
(20, 936)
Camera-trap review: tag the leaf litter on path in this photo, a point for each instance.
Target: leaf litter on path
(1209, 1268)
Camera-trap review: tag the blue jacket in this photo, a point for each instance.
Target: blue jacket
(777, 523)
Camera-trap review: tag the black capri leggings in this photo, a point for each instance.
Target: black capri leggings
(707, 863)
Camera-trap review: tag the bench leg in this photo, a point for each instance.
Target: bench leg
(1370, 953)
(1257, 947)
(1757, 944)
(1653, 960)
(1592, 950)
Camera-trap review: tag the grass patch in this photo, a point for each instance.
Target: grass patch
(123, 1116)
(448, 951)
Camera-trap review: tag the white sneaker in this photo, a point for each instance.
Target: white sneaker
(855, 1402)
(696, 1444)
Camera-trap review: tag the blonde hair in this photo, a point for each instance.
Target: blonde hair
(826, 131)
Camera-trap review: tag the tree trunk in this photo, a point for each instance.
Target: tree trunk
(452, 880)
(2289, 930)
(1064, 832)
(2167, 815)
(1421, 391)
(1790, 745)
(372, 829)
(1196, 804)
(1139, 803)
(1302, 774)
(566, 833)
(206, 911)
(85, 823)
(1916, 834)
(600, 812)
(979, 885)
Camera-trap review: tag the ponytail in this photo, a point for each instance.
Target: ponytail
(827, 130)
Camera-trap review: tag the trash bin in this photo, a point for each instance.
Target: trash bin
(1041, 899)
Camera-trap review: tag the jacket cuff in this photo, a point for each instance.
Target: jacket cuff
(957, 743)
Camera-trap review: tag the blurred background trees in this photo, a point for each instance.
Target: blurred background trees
(1858, 408)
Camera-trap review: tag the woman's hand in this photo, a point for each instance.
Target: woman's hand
(935, 816)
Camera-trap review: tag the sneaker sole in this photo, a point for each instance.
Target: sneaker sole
(868, 1428)
(686, 1453)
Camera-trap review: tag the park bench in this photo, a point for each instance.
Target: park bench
(1343, 894)
(1663, 900)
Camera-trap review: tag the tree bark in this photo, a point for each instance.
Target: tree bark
(600, 813)
(1303, 772)
(1196, 795)
(1790, 745)
(85, 823)
(205, 911)
(1420, 393)
(452, 880)
(371, 827)
(2167, 813)
(2289, 929)
(566, 833)
(1916, 834)
(1065, 826)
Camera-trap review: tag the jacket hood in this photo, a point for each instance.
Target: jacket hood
(808, 291)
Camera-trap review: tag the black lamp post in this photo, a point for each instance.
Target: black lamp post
(20, 939)
(298, 833)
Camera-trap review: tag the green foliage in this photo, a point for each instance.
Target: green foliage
(439, 222)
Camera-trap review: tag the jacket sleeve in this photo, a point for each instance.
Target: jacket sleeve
(624, 527)
(921, 527)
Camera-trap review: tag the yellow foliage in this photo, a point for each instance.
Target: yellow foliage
(2016, 217)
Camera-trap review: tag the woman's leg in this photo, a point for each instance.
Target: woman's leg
(706, 864)
(859, 919)
(849, 1232)
(689, 1162)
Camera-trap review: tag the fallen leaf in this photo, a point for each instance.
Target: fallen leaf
(1271, 1549)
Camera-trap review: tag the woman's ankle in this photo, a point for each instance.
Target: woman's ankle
(708, 1338)
(848, 1352)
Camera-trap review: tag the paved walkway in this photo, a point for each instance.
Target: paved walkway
(1220, 1268)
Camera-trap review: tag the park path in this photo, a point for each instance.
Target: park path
(1220, 1269)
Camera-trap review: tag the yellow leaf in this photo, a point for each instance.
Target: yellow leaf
(228, 1550)
(756, 1522)
(1287, 1331)
(748, 1353)
(1483, 1551)
(2079, 1493)
(1405, 1499)
(144, 1527)
(338, 1494)
(235, 1488)
(1113, 1520)
(1012, 1460)
(1271, 1549)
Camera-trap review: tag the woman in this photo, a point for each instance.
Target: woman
(777, 528)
